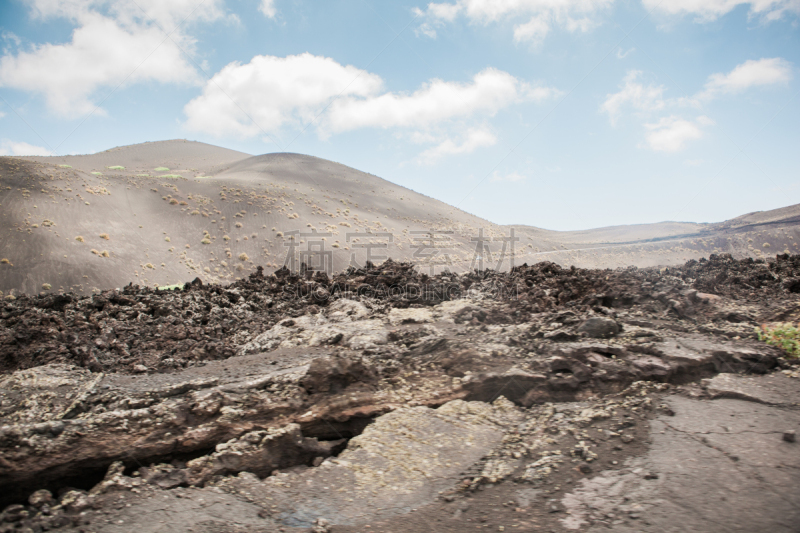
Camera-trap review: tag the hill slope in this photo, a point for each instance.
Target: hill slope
(166, 212)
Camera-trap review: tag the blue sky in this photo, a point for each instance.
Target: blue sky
(563, 114)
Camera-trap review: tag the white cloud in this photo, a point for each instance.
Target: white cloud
(437, 101)
(21, 148)
(272, 92)
(167, 13)
(708, 10)
(573, 15)
(512, 177)
(114, 42)
(268, 8)
(641, 97)
(623, 55)
(473, 139)
(670, 134)
(752, 73)
(535, 30)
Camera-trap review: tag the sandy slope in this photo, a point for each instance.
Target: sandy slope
(169, 198)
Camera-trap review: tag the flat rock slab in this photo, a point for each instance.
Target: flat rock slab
(399, 463)
(772, 389)
(716, 466)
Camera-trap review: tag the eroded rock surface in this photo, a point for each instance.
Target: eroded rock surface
(263, 405)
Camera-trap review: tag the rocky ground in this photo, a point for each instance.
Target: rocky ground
(544, 399)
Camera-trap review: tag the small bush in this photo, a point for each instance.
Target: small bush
(116, 167)
(243, 257)
(225, 238)
(173, 202)
(46, 286)
(149, 265)
(184, 202)
(79, 238)
(104, 236)
(195, 212)
(167, 239)
(785, 336)
(5, 261)
(238, 224)
(206, 241)
(161, 169)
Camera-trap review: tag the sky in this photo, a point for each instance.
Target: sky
(561, 114)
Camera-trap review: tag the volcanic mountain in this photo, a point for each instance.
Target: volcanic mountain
(163, 213)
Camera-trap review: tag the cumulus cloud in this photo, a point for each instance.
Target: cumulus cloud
(534, 31)
(541, 15)
(489, 91)
(634, 93)
(670, 134)
(267, 7)
(473, 139)
(270, 93)
(708, 10)
(8, 147)
(114, 42)
(752, 73)
(163, 12)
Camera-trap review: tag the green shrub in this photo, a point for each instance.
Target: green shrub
(116, 167)
(785, 336)
(161, 169)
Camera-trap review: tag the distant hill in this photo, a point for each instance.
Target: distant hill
(163, 213)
